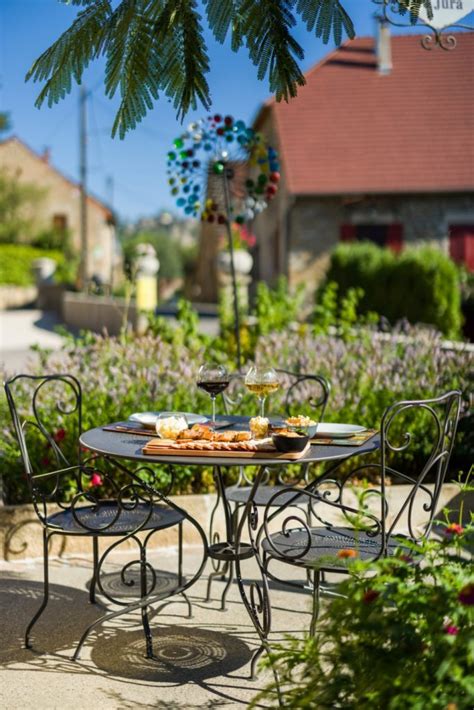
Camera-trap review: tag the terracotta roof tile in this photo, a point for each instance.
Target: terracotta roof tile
(354, 130)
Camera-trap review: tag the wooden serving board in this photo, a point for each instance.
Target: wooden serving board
(161, 447)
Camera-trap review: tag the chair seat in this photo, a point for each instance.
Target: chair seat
(326, 543)
(241, 494)
(121, 521)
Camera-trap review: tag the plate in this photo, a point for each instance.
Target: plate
(330, 430)
(148, 419)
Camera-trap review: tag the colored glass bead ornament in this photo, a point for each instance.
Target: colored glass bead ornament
(216, 146)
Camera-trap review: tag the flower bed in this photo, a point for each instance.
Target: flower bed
(126, 374)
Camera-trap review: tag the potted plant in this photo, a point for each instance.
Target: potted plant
(242, 241)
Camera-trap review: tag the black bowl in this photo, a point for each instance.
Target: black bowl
(290, 444)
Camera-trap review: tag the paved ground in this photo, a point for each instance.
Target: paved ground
(22, 328)
(202, 662)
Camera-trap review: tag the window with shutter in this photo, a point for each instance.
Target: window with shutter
(461, 244)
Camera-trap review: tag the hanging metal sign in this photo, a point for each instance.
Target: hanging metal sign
(446, 12)
(446, 17)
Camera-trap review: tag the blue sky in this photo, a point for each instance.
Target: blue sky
(137, 163)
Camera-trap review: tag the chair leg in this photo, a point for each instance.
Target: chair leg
(144, 610)
(44, 603)
(316, 602)
(95, 563)
(180, 569)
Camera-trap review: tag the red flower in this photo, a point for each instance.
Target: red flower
(451, 629)
(453, 529)
(345, 554)
(406, 558)
(59, 436)
(45, 461)
(96, 479)
(466, 595)
(370, 596)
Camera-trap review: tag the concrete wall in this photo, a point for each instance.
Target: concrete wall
(62, 197)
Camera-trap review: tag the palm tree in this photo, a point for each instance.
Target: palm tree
(154, 47)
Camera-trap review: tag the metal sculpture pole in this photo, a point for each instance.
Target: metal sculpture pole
(227, 175)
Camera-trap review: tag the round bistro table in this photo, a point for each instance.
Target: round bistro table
(116, 445)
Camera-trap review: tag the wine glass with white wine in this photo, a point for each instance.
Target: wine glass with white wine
(262, 381)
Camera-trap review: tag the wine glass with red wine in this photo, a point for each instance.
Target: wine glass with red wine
(213, 379)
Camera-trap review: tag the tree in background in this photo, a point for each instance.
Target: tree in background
(158, 46)
(17, 203)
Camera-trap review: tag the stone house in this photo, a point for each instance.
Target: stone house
(59, 207)
(378, 145)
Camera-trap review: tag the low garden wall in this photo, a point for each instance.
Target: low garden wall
(99, 313)
(20, 530)
(17, 296)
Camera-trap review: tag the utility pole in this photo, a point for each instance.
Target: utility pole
(83, 272)
(109, 191)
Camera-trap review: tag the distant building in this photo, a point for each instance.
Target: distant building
(60, 207)
(379, 146)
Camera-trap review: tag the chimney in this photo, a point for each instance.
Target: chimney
(384, 47)
(46, 155)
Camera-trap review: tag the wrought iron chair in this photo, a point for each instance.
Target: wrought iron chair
(366, 528)
(79, 509)
(299, 388)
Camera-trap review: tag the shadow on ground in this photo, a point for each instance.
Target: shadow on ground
(182, 654)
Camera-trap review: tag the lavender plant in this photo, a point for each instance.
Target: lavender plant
(157, 371)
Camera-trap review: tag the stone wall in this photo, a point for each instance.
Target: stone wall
(315, 225)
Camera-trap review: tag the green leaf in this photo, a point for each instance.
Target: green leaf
(71, 53)
(184, 56)
(133, 65)
(322, 16)
(272, 48)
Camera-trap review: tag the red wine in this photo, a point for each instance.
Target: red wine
(213, 387)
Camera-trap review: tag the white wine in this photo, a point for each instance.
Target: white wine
(262, 389)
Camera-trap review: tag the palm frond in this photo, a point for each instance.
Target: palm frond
(71, 53)
(184, 56)
(322, 16)
(133, 64)
(272, 48)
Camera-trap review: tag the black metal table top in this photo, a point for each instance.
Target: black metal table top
(130, 446)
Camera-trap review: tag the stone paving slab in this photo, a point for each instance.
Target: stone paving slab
(201, 662)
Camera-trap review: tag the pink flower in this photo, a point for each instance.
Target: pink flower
(453, 529)
(451, 629)
(370, 596)
(466, 595)
(96, 479)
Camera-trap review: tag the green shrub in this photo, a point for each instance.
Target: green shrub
(421, 284)
(399, 638)
(16, 261)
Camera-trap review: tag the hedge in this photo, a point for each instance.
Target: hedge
(421, 284)
(16, 261)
